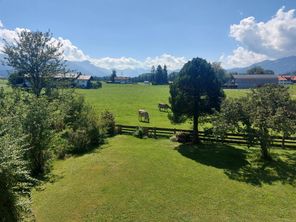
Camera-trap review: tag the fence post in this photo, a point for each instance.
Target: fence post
(119, 130)
(154, 131)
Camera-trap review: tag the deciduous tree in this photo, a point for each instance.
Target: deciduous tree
(36, 56)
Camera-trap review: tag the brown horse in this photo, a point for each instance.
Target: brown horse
(143, 115)
(163, 107)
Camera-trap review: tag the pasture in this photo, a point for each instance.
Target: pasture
(130, 179)
(125, 101)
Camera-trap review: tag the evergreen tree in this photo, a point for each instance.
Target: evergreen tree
(158, 75)
(195, 92)
(165, 75)
(113, 76)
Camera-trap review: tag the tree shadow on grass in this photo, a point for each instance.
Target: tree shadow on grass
(244, 165)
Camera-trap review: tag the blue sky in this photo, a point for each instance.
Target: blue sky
(137, 29)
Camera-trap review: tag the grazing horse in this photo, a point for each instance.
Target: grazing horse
(143, 115)
(163, 107)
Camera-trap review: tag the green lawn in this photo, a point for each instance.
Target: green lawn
(125, 101)
(130, 179)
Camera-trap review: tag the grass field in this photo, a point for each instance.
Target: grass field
(125, 101)
(130, 179)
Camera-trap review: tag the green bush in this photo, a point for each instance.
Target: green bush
(78, 140)
(183, 137)
(60, 145)
(107, 123)
(96, 85)
(37, 124)
(139, 133)
(15, 180)
(82, 125)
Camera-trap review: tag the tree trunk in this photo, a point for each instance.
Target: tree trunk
(283, 141)
(264, 144)
(195, 129)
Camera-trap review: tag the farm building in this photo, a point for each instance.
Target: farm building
(83, 81)
(122, 79)
(253, 81)
(282, 80)
(75, 79)
(286, 80)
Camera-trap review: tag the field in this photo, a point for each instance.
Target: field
(130, 179)
(125, 101)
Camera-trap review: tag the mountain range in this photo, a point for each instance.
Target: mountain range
(85, 67)
(279, 66)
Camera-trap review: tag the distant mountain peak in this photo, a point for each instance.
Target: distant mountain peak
(279, 66)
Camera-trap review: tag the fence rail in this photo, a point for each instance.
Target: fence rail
(276, 141)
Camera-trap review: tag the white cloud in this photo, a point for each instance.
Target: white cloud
(273, 39)
(241, 57)
(73, 53)
(170, 61)
(117, 63)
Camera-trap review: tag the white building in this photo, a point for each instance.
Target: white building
(83, 81)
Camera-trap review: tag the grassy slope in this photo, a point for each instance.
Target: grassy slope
(150, 180)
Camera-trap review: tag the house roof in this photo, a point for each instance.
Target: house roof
(84, 77)
(70, 75)
(262, 76)
(282, 78)
(290, 78)
(122, 78)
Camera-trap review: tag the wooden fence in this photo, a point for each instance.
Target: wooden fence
(276, 141)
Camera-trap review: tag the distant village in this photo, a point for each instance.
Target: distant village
(251, 79)
(245, 81)
(255, 77)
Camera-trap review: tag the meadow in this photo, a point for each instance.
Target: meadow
(124, 101)
(130, 179)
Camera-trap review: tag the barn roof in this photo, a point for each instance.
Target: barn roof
(84, 77)
(262, 76)
(122, 78)
(70, 75)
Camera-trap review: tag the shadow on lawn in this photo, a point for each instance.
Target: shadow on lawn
(243, 165)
